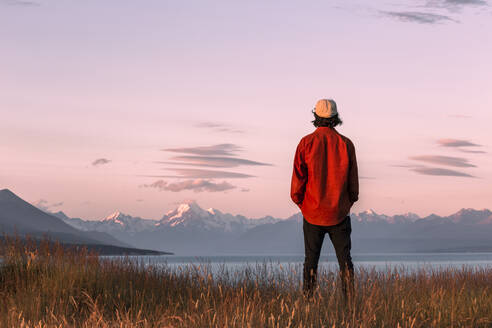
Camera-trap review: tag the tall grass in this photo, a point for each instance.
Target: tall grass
(47, 285)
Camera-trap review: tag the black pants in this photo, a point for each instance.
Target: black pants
(313, 240)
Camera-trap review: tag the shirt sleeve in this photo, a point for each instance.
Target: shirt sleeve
(353, 176)
(299, 176)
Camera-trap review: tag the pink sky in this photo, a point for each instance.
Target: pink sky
(125, 80)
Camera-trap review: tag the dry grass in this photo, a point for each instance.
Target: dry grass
(45, 285)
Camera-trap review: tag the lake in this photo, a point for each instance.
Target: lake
(376, 261)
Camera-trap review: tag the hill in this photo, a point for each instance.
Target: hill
(18, 217)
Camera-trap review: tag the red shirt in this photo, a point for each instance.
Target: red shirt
(325, 181)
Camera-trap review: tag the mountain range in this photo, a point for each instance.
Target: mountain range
(190, 229)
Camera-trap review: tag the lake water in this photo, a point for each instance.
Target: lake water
(378, 262)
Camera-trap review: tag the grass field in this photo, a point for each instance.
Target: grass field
(50, 286)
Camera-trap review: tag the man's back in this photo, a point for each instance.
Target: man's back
(324, 180)
(325, 185)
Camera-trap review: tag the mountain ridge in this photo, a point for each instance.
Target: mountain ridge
(186, 208)
(191, 229)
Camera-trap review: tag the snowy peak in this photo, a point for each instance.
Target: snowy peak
(119, 218)
(112, 217)
(123, 222)
(185, 208)
(370, 212)
(411, 216)
(471, 216)
(185, 211)
(191, 216)
(371, 216)
(213, 211)
(190, 207)
(184, 214)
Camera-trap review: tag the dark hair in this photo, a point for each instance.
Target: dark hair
(329, 122)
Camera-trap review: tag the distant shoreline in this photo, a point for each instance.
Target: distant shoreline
(101, 249)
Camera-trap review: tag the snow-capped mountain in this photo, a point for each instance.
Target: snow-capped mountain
(471, 216)
(186, 216)
(128, 223)
(116, 221)
(371, 216)
(191, 215)
(403, 218)
(190, 229)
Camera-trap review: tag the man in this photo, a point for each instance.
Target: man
(325, 185)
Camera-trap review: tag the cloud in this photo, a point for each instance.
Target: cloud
(198, 173)
(202, 174)
(244, 190)
(461, 145)
(440, 172)
(210, 125)
(402, 165)
(216, 161)
(443, 160)
(22, 3)
(417, 17)
(466, 2)
(215, 156)
(44, 205)
(226, 149)
(456, 143)
(472, 151)
(455, 4)
(139, 200)
(100, 161)
(197, 185)
(425, 170)
(218, 127)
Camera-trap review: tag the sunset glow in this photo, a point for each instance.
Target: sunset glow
(137, 106)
